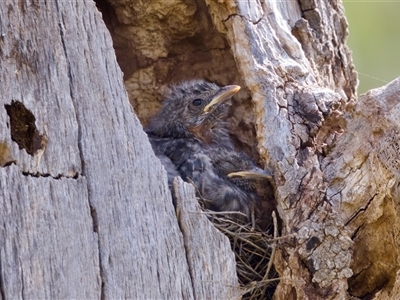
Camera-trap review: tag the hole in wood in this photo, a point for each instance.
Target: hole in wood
(23, 128)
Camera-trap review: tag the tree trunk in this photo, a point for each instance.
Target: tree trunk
(86, 208)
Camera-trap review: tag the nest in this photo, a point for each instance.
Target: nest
(254, 251)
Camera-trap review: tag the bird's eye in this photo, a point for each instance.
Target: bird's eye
(197, 102)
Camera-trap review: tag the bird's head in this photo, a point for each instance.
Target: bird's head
(190, 105)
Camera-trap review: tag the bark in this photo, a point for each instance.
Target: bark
(86, 208)
(298, 74)
(363, 172)
(85, 205)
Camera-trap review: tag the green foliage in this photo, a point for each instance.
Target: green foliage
(375, 41)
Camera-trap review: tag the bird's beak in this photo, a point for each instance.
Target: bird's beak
(255, 173)
(223, 94)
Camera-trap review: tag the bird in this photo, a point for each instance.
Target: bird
(227, 180)
(190, 136)
(195, 109)
(219, 193)
(244, 173)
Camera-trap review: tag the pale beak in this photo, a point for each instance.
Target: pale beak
(223, 94)
(255, 173)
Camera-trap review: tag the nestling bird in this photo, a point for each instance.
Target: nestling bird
(219, 193)
(226, 178)
(189, 135)
(195, 109)
(254, 181)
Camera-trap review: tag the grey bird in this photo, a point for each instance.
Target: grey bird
(175, 152)
(227, 179)
(190, 136)
(218, 193)
(195, 109)
(256, 182)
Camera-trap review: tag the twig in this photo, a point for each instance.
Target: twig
(243, 239)
(271, 258)
(281, 237)
(253, 218)
(254, 250)
(257, 284)
(218, 212)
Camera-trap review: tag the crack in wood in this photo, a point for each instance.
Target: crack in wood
(300, 192)
(355, 233)
(365, 268)
(361, 210)
(243, 17)
(70, 77)
(174, 194)
(59, 176)
(93, 213)
(2, 292)
(318, 204)
(231, 16)
(95, 224)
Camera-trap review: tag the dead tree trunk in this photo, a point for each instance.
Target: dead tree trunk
(85, 205)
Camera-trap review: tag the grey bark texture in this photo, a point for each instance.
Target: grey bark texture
(85, 206)
(88, 214)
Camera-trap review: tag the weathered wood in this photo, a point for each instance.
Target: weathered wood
(89, 213)
(293, 63)
(363, 178)
(211, 260)
(48, 249)
(298, 72)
